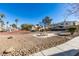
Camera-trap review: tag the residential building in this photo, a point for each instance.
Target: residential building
(65, 24)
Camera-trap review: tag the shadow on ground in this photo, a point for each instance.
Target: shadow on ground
(72, 52)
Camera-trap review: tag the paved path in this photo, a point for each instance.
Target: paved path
(69, 48)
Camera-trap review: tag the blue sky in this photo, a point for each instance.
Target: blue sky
(33, 13)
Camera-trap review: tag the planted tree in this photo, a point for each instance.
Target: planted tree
(16, 20)
(74, 10)
(26, 26)
(38, 27)
(2, 15)
(7, 23)
(47, 22)
(14, 25)
(1, 21)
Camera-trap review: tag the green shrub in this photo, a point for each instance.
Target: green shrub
(72, 30)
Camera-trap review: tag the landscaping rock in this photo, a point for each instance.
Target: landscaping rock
(10, 37)
(9, 50)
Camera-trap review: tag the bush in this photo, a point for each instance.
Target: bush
(72, 30)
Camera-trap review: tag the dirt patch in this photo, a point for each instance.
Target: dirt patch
(26, 44)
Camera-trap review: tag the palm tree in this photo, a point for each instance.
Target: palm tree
(7, 23)
(1, 21)
(16, 20)
(2, 15)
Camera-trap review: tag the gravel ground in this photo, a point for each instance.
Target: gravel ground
(22, 44)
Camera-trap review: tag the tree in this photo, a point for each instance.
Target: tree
(16, 20)
(74, 10)
(2, 15)
(41, 24)
(38, 27)
(14, 25)
(2, 22)
(47, 22)
(26, 26)
(7, 23)
(37, 24)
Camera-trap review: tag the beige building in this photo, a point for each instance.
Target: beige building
(35, 27)
(76, 22)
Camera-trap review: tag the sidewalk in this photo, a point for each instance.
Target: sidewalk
(69, 48)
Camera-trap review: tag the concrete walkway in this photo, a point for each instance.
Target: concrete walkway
(69, 48)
